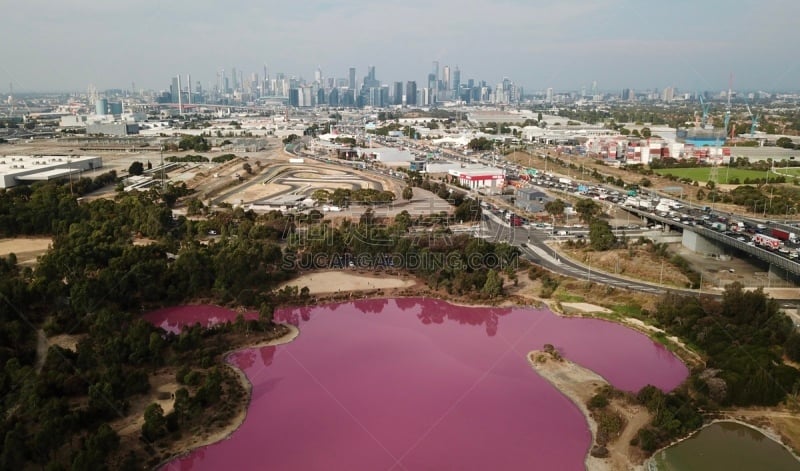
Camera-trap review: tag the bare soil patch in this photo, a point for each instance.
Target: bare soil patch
(635, 262)
(342, 281)
(579, 385)
(25, 248)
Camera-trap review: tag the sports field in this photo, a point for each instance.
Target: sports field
(724, 174)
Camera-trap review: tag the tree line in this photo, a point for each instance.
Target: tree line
(94, 282)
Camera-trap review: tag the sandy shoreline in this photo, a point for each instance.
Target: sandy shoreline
(335, 281)
(579, 384)
(226, 432)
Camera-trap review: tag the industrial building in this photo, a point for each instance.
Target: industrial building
(488, 178)
(531, 199)
(112, 129)
(21, 169)
(388, 156)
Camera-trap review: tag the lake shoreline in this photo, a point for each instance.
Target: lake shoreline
(767, 432)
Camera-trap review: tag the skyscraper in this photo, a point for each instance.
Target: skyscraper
(174, 90)
(433, 85)
(398, 93)
(411, 93)
(352, 78)
(446, 77)
(457, 83)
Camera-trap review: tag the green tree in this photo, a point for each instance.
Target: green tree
(600, 235)
(493, 286)
(785, 142)
(408, 193)
(555, 207)
(587, 209)
(136, 168)
(320, 196)
(154, 426)
(646, 133)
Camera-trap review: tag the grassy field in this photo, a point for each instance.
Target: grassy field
(724, 173)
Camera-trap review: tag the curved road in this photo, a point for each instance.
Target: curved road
(532, 245)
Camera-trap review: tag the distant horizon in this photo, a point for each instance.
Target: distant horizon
(566, 46)
(527, 91)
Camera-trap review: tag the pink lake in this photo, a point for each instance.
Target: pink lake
(419, 384)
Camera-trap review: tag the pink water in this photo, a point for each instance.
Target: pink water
(421, 384)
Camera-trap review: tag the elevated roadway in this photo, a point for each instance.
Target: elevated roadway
(779, 261)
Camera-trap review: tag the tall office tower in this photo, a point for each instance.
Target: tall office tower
(180, 100)
(333, 97)
(219, 81)
(352, 78)
(189, 88)
(174, 90)
(457, 83)
(411, 93)
(433, 85)
(398, 93)
(594, 87)
(265, 84)
(668, 94)
(446, 78)
(436, 71)
(234, 77)
(318, 75)
(549, 96)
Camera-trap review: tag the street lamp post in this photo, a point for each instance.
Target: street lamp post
(162, 168)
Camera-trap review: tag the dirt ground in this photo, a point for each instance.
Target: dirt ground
(636, 263)
(579, 385)
(336, 281)
(27, 249)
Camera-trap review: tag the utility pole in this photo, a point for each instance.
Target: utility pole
(162, 168)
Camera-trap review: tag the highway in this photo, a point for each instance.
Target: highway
(533, 247)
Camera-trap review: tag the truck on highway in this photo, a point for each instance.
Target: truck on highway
(718, 226)
(633, 202)
(783, 235)
(515, 221)
(766, 241)
(565, 181)
(645, 205)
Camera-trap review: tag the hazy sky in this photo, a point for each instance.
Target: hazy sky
(564, 44)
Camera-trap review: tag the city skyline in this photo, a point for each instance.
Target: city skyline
(566, 46)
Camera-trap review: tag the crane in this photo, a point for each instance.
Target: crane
(754, 122)
(705, 106)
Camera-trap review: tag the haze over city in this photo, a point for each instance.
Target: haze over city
(563, 45)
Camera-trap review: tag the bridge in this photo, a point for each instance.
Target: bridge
(773, 259)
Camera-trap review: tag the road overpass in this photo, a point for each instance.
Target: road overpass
(788, 266)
